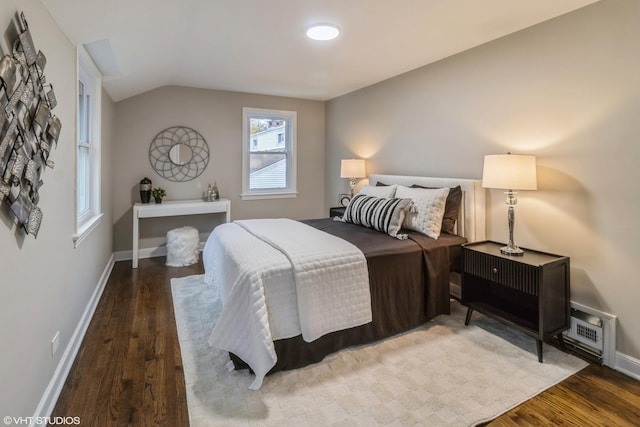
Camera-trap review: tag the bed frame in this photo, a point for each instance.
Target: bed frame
(294, 352)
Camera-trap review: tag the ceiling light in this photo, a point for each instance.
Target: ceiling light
(323, 32)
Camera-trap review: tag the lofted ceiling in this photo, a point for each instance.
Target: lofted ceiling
(259, 46)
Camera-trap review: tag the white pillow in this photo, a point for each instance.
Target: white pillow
(428, 209)
(383, 191)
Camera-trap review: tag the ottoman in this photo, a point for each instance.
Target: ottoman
(182, 246)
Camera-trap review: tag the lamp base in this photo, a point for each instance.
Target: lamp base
(511, 250)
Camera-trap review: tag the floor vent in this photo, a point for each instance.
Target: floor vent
(592, 333)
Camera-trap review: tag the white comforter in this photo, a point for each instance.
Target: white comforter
(280, 278)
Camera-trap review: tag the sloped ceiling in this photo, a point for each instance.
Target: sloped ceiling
(259, 46)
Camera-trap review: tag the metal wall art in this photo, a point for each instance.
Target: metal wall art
(179, 154)
(28, 129)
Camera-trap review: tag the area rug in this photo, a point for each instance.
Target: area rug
(440, 374)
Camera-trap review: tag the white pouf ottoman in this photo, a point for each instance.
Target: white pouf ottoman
(182, 246)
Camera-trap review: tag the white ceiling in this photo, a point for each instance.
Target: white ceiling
(259, 46)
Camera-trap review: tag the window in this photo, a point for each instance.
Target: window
(268, 153)
(88, 213)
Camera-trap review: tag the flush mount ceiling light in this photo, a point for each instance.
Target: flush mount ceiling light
(323, 32)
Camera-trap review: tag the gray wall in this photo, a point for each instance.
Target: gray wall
(217, 115)
(45, 283)
(568, 91)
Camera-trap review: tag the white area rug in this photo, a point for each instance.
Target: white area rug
(440, 374)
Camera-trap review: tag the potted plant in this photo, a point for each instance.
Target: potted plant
(158, 193)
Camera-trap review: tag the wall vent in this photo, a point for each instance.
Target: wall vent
(592, 332)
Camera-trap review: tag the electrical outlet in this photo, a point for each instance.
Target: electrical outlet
(55, 343)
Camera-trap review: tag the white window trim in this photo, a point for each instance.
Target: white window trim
(291, 190)
(86, 229)
(90, 220)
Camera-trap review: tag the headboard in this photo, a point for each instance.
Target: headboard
(471, 218)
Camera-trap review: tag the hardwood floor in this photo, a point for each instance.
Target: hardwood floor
(129, 369)
(595, 396)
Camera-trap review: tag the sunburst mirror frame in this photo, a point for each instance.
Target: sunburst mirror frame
(179, 154)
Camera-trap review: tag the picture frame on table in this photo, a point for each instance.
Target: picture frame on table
(344, 199)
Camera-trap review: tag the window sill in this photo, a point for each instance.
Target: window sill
(262, 196)
(85, 229)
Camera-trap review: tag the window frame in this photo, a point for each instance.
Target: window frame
(89, 75)
(290, 145)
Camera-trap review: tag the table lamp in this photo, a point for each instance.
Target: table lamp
(510, 172)
(352, 169)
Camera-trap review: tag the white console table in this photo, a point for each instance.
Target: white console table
(174, 208)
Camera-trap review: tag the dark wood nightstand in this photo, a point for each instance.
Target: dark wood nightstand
(339, 211)
(529, 292)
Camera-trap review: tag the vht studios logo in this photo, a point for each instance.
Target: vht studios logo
(55, 421)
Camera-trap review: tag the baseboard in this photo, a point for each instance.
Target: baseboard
(628, 365)
(142, 253)
(52, 392)
(146, 253)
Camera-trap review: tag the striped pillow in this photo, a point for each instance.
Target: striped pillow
(381, 214)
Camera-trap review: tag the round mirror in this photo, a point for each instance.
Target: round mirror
(180, 154)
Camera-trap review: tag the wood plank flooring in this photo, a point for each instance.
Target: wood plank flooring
(129, 369)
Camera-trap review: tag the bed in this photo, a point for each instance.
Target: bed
(409, 278)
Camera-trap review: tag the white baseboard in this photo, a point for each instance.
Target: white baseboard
(146, 253)
(142, 253)
(628, 365)
(52, 392)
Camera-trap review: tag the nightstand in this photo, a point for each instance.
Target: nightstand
(339, 211)
(529, 292)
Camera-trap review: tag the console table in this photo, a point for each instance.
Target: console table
(174, 208)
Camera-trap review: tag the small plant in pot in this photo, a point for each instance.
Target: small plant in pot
(158, 193)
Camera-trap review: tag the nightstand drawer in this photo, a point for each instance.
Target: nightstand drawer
(514, 275)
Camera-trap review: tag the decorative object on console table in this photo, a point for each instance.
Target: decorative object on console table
(145, 190)
(338, 211)
(158, 194)
(344, 200)
(28, 129)
(214, 191)
(209, 194)
(530, 292)
(510, 172)
(352, 169)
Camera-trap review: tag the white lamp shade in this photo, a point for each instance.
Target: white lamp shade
(352, 168)
(510, 172)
